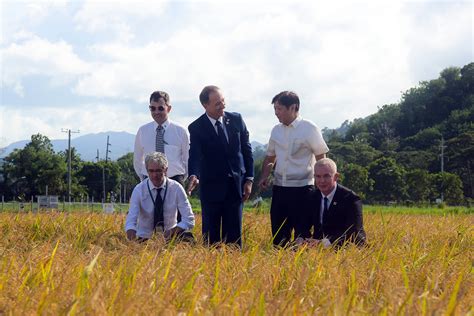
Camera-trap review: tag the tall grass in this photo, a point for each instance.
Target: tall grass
(80, 263)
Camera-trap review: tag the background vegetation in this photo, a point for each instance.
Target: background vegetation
(390, 156)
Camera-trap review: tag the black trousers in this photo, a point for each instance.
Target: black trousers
(222, 221)
(291, 210)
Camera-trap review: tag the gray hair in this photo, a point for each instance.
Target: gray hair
(156, 157)
(327, 162)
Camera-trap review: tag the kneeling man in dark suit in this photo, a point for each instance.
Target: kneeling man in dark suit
(337, 210)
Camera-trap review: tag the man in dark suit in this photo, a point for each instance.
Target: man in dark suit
(338, 210)
(220, 160)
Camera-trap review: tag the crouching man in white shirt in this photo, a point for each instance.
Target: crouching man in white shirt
(155, 203)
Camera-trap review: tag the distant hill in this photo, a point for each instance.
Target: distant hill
(86, 145)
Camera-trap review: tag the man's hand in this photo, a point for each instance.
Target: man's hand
(267, 166)
(263, 184)
(312, 242)
(193, 182)
(131, 234)
(170, 233)
(247, 190)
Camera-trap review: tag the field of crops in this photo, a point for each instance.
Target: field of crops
(80, 263)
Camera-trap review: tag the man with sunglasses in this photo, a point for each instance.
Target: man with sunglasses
(162, 135)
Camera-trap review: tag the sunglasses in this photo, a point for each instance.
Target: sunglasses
(154, 108)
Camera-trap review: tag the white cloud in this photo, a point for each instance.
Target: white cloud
(36, 56)
(343, 58)
(17, 124)
(115, 16)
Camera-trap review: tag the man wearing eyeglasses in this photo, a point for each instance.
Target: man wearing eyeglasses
(155, 203)
(162, 135)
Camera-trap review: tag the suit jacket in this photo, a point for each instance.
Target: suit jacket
(212, 162)
(343, 220)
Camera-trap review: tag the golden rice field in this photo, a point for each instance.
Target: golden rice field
(58, 263)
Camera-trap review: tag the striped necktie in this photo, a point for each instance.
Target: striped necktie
(159, 141)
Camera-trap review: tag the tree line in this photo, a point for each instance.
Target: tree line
(37, 169)
(392, 155)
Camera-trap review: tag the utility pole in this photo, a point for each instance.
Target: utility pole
(107, 151)
(442, 147)
(103, 177)
(68, 131)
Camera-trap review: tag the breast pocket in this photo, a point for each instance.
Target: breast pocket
(299, 148)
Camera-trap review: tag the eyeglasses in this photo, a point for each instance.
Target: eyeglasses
(155, 170)
(154, 108)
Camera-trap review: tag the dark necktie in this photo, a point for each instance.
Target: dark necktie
(158, 219)
(220, 133)
(325, 209)
(159, 141)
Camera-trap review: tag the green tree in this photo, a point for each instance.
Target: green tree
(91, 174)
(450, 185)
(460, 154)
(356, 178)
(78, 191)
(128, 177)
(36, 166)
(388, 177)
(356, 152)
(419, 185)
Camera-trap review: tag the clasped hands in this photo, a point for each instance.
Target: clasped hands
(168, 234)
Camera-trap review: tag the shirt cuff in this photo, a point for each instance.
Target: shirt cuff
(182, 225)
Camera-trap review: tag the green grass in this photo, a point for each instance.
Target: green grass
(262, 208)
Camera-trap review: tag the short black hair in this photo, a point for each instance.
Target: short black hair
(204, 95)
(157, 95)
(287, 98)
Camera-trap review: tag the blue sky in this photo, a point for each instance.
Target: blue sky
(91, 65)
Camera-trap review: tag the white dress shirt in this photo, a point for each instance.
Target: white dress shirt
(141, 212)
(295, 147)
(176, 140)
(330, 196)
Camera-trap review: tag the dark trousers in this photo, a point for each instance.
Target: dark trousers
(179, 178)
(290, 210)
(223, 217)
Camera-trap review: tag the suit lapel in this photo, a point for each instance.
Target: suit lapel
(335, 199)
(208, 128)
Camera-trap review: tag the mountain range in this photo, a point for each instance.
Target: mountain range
(87, 145)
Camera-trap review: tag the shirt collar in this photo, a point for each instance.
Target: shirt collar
(164, 125)
(213, 121)
(330, 196)
(295, 122)
(152, 186)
